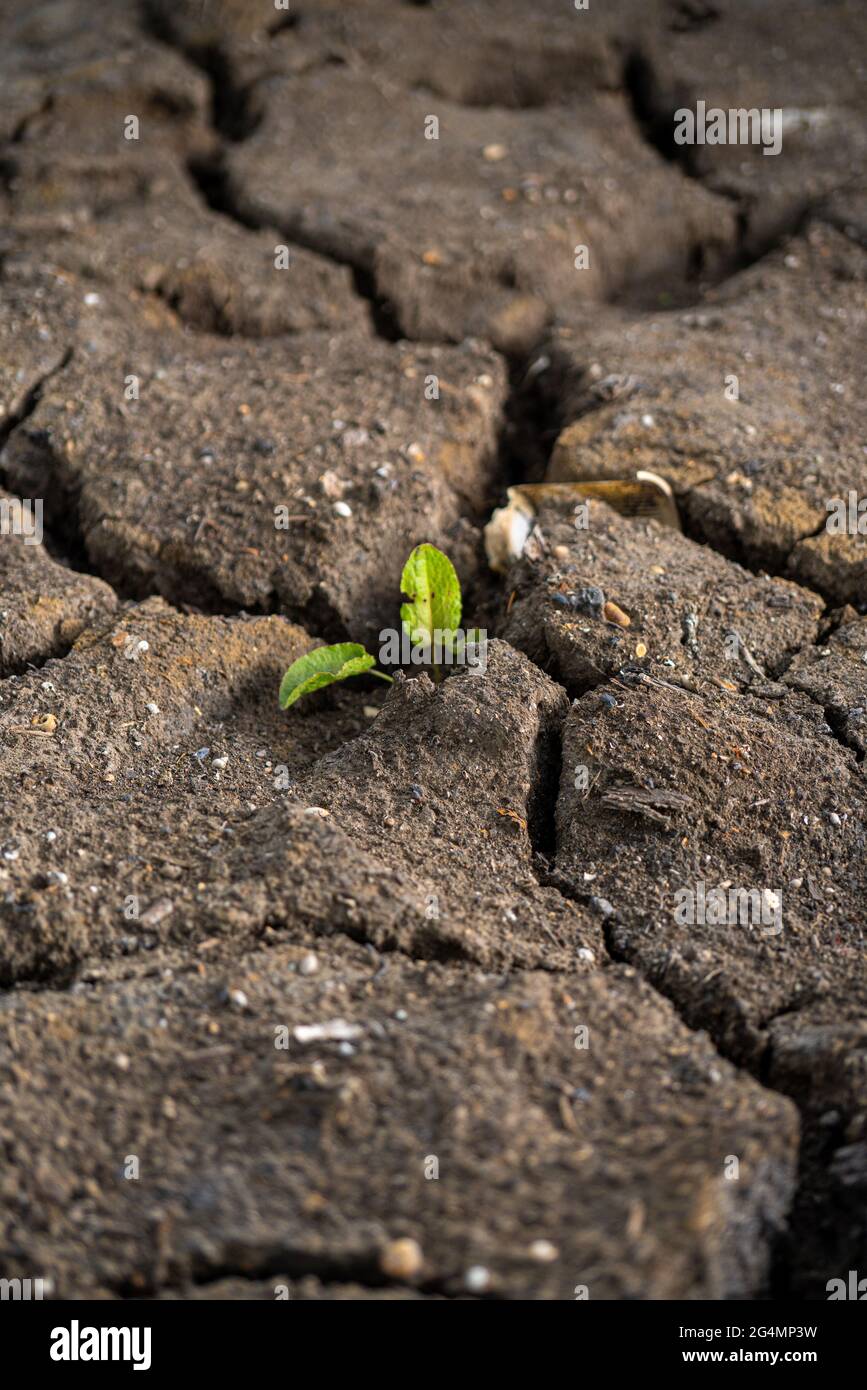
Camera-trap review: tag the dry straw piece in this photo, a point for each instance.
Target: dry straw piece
(644, 496)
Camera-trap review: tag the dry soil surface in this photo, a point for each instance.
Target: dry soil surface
(426, 992)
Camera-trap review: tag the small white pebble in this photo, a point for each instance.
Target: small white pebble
(309, 964)
(477, 1279)
(401, 1015)
(91, 299)
(331, 484)
(220, 762)
(238, 998)
(834, 818)
(342, 509)
(152, 708)
(544, 1251)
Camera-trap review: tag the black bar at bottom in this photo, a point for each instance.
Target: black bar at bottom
(153, 1338)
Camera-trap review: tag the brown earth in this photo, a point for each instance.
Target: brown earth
(413, 994)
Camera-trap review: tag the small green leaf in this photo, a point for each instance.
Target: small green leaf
(434, 592)
(323, 666)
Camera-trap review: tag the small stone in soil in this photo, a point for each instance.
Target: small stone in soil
(401, 1259)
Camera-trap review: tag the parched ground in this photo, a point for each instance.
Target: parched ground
(387, 997)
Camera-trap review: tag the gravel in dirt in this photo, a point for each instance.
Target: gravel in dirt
(750, 406)
(304, 486)
(111, 763)
(44, 605)
(613, 1153)
(740, 896)
(73, 72)
(834, 674)
(692, 614)
(741, 765)
(474, 225)
(152, 234)
(804, 68)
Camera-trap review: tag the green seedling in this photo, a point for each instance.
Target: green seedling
(431, 584)
(323, 666)
(429, 619)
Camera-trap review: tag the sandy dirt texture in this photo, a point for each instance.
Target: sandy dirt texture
(539, 979)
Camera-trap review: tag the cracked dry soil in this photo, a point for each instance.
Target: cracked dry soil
(545, 1078)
